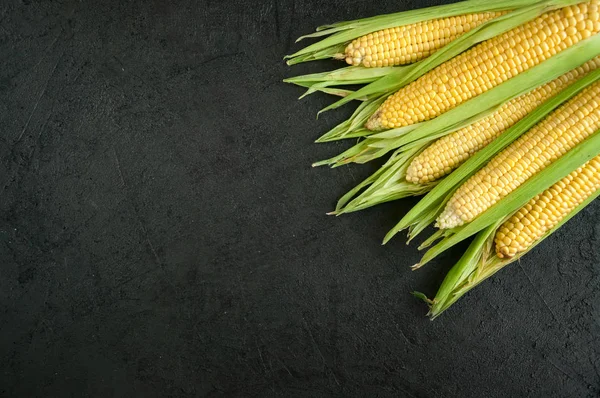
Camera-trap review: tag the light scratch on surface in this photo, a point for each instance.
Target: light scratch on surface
(131, 278)
(261, 357)
(557, 368)
(118, 167)
(38, 100)
(537, 292)
(46, 50)
(319, 351)
(149, 242)
(314, 342)
(399, 328)
(349, 169)
(40, 134)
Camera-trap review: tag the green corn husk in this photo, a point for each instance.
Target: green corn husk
(480, 262)
(385, 185)
(426, 211)
(351, 75)
(353, 127)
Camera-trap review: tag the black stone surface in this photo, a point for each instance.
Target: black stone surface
(163, 234)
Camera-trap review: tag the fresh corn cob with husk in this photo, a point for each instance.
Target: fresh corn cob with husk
(546, 210)
(341, 34)
(450, 151)
(546, 142)
(487, 65)
(406, 44)
(543, 215)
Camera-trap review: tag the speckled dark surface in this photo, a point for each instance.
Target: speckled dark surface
(162, 233)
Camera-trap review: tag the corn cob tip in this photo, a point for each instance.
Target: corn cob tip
(411, 173)
(503, 253)
(418, 171)
(374, 123)
(449, 219)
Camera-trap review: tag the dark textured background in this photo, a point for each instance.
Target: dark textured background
(162, 233)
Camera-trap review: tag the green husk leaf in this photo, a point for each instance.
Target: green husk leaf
(364, 151)
(326, 53)
(395, 133)
(336, 160)
(464, 267)
(423, 297)
(339, 92)
(437, 235)
(350, 127)
(342, 76)
(386, 184)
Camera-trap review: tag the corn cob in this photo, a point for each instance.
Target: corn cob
(487, 65)
(546, 210)
(449, 152)
(544, 143)
(411, 43)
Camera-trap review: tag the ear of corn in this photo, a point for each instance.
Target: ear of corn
(487, 65)
(406, 44)
(447, 153)
(546, 210)
(342, 33)
(434, 111)
(546, 142)
(427, 209)
(479, 262)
